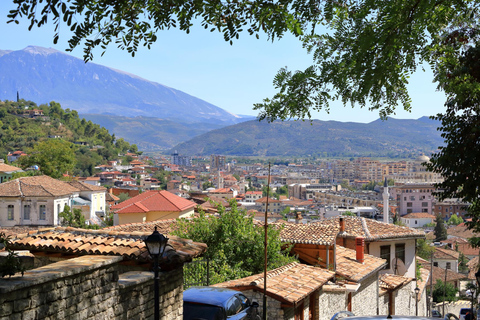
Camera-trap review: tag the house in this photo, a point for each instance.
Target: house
(35, 200)
(13, 156)
(274, 205)
(446, 259)
(225, 193)
(252, 196)
(415, 198)
(6, 172)
(152, 205)
(91, 200)
(292, 290)
(417, 219)
(94, 181)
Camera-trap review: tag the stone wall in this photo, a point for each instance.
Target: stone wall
(330, 302)
(404, 302)
(274, 309)
(89, 287)
(364, 301)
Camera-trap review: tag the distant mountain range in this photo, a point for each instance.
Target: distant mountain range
(159, 118)
(43, 75)
(391, 138)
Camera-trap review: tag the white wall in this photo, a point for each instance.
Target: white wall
(374, 249)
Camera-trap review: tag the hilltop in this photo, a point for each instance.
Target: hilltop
(391, 138)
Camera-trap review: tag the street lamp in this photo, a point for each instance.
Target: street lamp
(156, 243)
(417, 291)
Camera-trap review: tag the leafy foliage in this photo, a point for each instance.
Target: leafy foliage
(455, 220)
(74, 218)
(135, 23)
(91, 144)
(11, 264)
(424, 250)
(223, 234)
(450, 291)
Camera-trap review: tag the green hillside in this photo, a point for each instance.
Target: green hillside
(92, 144)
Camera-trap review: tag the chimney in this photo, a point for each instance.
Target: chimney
(360, 246)
(342, 225)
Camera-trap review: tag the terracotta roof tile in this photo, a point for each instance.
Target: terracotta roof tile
(393, 281)
(290, 283)
(154, 201)
(105, 242)
(419, 215)
(349, 268)
(439, 273)
(36, 186)
(443, 253)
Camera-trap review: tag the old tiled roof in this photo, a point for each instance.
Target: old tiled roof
(222, 190)
(290, 283)
(326, 231)
(163, 226)
(461, 231)
(439, 273)
(270, 200)
(446, 254)
(349, 268)
(309, 233)
(423, 281)
(8, 168)
(86, 186)
(36, 186)
(13, 231)
(419, 215)
(162, 201)
(106, 242)
(393, 281)
(472, 268)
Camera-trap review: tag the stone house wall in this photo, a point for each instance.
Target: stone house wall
(274, 309)
(364, 301)
(330, 302)
(404, 302)
(89, 287)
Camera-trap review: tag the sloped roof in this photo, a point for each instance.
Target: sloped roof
(325, 231)
(36, 186)
(446, 254)
(130, 246)
(163, 226)
(290, 283)
(349, 268)
(439, 273)
(264, 200)
(82, 186)
(419, 215)
(154, 200)
(461, 231)
(393, 281)
(8, 168)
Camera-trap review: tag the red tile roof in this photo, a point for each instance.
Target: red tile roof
(8, 168)
(36, 186)
(290, 283)
(160, 201)
(446, 254)
(105, 242)
(349, 268)
(393, 281)
(419, 215)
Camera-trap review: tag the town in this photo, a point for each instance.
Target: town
(363, 236)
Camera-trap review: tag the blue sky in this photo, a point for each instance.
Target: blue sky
(232, 77)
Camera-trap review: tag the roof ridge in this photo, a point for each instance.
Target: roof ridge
(365, 227)
(34, 185)
(274, 272)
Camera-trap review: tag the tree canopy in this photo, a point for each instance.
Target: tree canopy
(134, 23)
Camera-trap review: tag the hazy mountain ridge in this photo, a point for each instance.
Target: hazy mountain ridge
(393, 137)
(43, 75)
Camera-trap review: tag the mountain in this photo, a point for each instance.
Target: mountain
(43, 75)
(392, 138)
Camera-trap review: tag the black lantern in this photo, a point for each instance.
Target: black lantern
(156, 243)
(417, 291)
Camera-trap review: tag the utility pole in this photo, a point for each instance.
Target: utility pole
(265, 250)
(444, 290)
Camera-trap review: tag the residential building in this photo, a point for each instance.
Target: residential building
(415, 198)
(446, 259)
(152, 205)
(38, 200)
(252, 196)
(417, 219)
(217, 162)
(224, 193)
(447, 208)
(179, 160)
(13, 156)
(7, 171)
(274, 205)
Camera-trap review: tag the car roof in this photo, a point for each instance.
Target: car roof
(208, 295)
(391, 317)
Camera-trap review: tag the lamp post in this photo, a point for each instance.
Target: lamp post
(156, 243)
(477, 276)
(417, 291)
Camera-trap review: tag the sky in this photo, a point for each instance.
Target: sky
(202, 64)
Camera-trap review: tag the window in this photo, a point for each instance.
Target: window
(58, 208)
(449, 265)
(10, 214)
(385, 254)
(26, 212)
(409, 210)
(409, 204)
(400, 251)
(42, 212)
(435, 264)
(425, 210)
(424, 204)
(412, 198)
(416, 222)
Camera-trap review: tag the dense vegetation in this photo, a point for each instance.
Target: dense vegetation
(91, 144)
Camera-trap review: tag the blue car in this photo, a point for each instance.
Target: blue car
(211, 303)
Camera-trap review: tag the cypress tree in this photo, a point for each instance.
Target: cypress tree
(440, 230)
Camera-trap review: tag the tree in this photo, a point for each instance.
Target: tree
(440, 231)
(123, 196)
(223, 234)
(135, 23)
(11, 263)
(72, 218)
(424, 250)
(450, 291)
(53, 156)
(454, 220)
